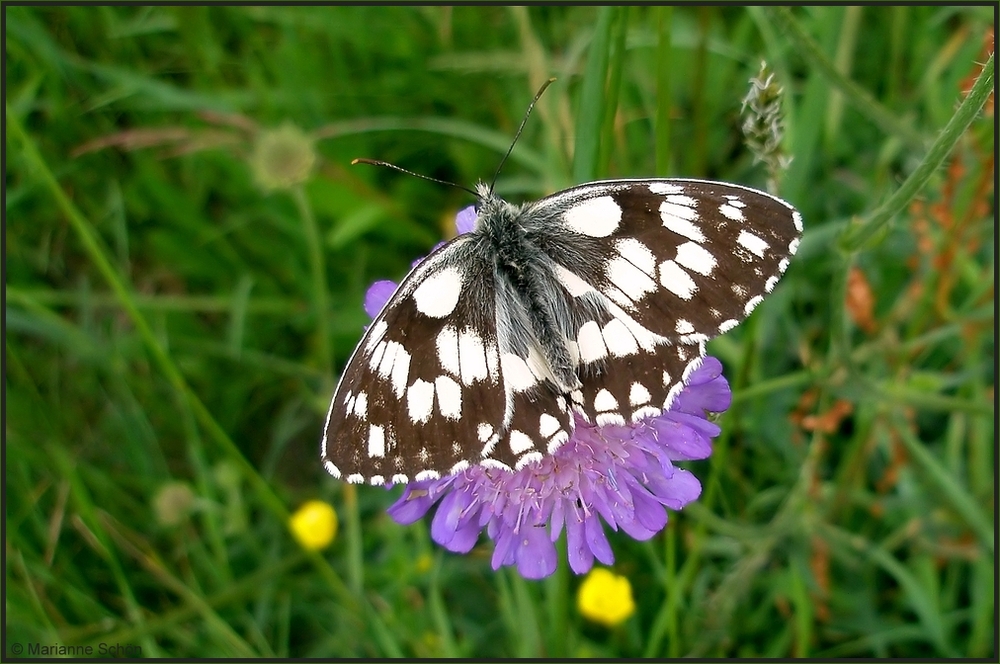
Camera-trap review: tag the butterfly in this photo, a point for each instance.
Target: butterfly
(594, 302)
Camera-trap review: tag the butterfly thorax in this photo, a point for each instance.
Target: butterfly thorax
(530, 291)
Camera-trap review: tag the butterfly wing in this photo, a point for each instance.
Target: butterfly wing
(448, 375)
(688, 259)
(666, 265)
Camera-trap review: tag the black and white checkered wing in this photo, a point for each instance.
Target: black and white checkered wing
(666, 265)
(444, 378)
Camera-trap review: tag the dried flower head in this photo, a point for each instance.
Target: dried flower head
(763, 122)
(173, 503)
(283, 157)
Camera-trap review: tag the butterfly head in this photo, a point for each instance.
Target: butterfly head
(490, 208)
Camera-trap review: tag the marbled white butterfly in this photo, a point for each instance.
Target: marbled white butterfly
(596, 300)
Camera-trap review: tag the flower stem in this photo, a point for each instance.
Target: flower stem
(317, 266)
(860, 98)
(664, 62)
(856, 237)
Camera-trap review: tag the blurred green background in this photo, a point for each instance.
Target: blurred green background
(187, 250)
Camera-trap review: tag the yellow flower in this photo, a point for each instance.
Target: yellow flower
(605, 597)
(314, 525)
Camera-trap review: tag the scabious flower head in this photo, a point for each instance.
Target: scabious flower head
(314, 525)
(282, 157)
(173, 503)
(605, 597)
(620, 475)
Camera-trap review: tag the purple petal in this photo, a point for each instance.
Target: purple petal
(453, 527)
(676, 492)
(486, 515)
(684, 436)
(493, 527)
(581, 558)
(376, 297)
(621, 505)
(557, 519)
(644, 522)
(597, 540)
(707, 391)
(503, 553)
(465, 539)
(465, 220)
(637, 531)
(709, 369)
(648, 511)
(500, 503)
(535, 553)
(411, 506)
(600, 500)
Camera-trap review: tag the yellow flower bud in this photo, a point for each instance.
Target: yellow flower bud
(605, 597)
(314, 525)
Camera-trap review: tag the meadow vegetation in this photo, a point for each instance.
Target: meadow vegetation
(188, 249)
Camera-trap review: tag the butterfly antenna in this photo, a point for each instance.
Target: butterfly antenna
(376, 162)
(520, 129)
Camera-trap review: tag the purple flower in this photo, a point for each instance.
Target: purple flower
(623, 476)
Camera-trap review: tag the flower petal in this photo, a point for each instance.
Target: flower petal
(684, 436)
(678, 491)
(377, 296)
(597, 540)
(412, 505)
(707, 390)
(454, 525)
(465, 220)
(581, 558)
(503, 552)
(648, 511)
(535, 553)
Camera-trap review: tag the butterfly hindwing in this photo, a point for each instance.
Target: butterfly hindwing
(627, 372)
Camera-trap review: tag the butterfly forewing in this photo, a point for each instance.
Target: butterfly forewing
(687, 259)
(442, 380)
(398, 408)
